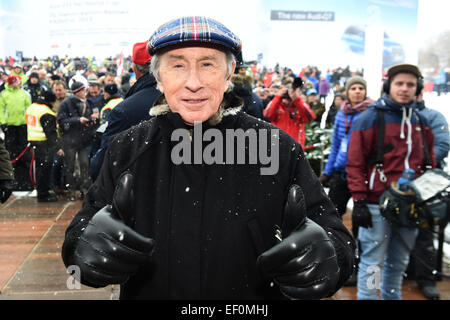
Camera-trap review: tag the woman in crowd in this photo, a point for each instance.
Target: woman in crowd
(334, 173)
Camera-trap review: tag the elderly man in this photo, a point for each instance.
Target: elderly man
(179, 229)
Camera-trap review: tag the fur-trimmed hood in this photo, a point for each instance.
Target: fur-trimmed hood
(231, 105)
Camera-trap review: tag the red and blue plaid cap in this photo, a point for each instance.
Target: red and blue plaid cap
(193, 29)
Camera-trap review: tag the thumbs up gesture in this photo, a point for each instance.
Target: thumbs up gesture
(304, 263)
(108, 250)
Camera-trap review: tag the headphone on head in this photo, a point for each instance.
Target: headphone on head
(387, 86)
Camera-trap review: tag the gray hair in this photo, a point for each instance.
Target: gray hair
(155, 64)
(143, 69)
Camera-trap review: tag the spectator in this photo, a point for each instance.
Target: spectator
(134, 109)
(243, 88)
(125, 84)
(315, 105)
(6, 171)
(76, 120)
(34, 87)
(423, 257)
(18, 71)
(112, 98)
(43, 77)
(42, 134)
(58, 169)
(290, 113)
(334, 108)
(109, 78)
(13, 104)
(95, 98)
(385, 247)
(324, 88)
(3, 79)
(60, 90)
(334, 172)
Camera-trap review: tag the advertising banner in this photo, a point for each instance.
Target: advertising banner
(293, 33)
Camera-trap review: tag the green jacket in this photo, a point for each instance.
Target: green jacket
(23, 77)
(13, 105)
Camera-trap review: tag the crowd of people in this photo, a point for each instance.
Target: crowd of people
(66, 118)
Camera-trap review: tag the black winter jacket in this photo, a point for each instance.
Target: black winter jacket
(129, 112)
(209, 222)
(74, 133)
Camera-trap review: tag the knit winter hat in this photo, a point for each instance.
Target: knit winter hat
(111, 88)
(77, 86)
(355, 80)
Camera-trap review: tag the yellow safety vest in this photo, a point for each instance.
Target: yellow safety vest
(35, 131)
(110, 105)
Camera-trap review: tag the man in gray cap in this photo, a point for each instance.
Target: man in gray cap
(169, 217)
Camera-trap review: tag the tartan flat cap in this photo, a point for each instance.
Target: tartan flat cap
(193, 29)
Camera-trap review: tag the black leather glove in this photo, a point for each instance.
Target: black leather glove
(324, 179)
(361, 215)
(6, 189)
(304, 264)
(109, 251)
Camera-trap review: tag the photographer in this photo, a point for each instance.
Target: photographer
(289, 112)
(77, 122)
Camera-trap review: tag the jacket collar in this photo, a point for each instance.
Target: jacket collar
(386, 103)
(230, 106)
(147, 80)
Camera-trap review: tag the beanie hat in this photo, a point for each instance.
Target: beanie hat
(77, 86)
(355, 80)
(34, 75)
(49, 96)
(111, 88)
(140, 53)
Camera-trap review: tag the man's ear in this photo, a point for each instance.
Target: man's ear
(227, 81)
(159, 86)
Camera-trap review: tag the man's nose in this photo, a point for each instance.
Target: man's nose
(193, 81)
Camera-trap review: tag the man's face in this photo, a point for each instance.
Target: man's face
(338, 101)
(81, 94)
(59, 91)
(108, 80)
(17, 70)
(403, 88)
(193, 81)
(34, 80)
(94, 91)
(42, 75)
(356, 93)
(312, 98)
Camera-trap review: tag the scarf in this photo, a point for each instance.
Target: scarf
(347, 108)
